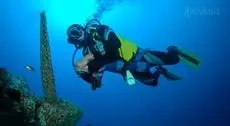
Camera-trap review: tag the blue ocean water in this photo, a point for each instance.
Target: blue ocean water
(202, 98)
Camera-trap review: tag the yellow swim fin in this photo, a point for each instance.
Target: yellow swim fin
(189, 58)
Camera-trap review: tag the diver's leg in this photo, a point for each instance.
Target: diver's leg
(156, 58)
(146, 60)
(144, 72)
(115, 67)
(139, 69)
(119, 68)
(138, 66)
(153, 81)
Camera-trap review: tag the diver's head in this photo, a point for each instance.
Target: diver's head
(77, 35)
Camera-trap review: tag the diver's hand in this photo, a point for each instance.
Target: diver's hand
(95, 83)
(82, 65)
(86, 59)
(81, 68)
(96, 80)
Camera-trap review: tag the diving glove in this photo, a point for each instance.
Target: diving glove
(96, 80)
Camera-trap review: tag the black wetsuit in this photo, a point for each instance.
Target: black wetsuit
(143, 70)
(105, 51)
(111, 60)
(110, 46)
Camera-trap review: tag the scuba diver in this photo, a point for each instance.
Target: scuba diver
(104, 50)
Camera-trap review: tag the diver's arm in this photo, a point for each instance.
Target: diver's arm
(86, 59)
(81, 67)
(91, 75)
(96, 69)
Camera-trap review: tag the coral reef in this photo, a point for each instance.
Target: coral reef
(66, 114)
(41, 111)
(18, 83)
(44, 111)
(52, 112)
(17, 101)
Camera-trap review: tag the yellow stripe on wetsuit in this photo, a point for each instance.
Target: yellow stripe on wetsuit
(128, 49)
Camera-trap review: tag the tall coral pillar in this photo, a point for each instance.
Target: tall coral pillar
(47, 75)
